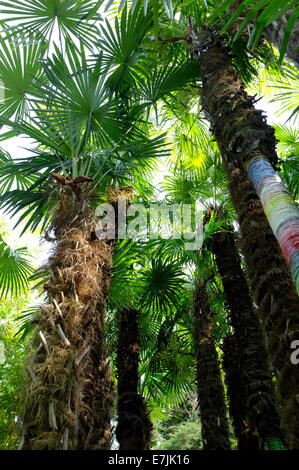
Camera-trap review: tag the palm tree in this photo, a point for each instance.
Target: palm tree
(71, 334)
(244, 138)
(245, 358)
(274, 294)
(246, 435)
(154, 288)
(80, 133)
(15, 269)
(250, 354)
(256, 148)
(209, 383)
(134, 427)
(210, 390)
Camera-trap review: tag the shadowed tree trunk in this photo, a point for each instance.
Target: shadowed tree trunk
(247, 437)
(68, 401)
(245, 140)
(210, 390)
(274, 33)
(134, 427)
(274, 293)
(250, 362)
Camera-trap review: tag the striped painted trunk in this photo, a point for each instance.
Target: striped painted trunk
(281, 211)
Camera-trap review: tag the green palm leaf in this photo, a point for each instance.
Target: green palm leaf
(75, 18)
(288, 137)
(15, 269)
(262, 12)
(26, 322)
(13, 178)
(20, 69)
(121, 46)
(162, 284)
(35, 205)
(288, 96)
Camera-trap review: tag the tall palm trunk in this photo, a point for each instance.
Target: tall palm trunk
(274, 293)
(134, 427)
(246, 435)
(69, 398)
(245, 139)
(250, 362)
(215, 435)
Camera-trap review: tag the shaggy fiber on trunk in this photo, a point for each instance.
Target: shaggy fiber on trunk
(68, 400)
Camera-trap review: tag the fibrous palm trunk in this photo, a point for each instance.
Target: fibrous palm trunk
(68, 401)
(245, 140)
(134, 427)
(247, 367)
(274, 293)
(247, 143)
(215, 435)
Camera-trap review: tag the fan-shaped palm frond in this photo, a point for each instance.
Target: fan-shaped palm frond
(269, 78)
(146, 5)
(181, 189)
(75, 103)
(34, 204)
(26, 321)
(162, 284)
(288, 137)
(20, 69)
(167, 355)
(288, 96)
(190, 143)
(155, 81)
(121, 45)
(15, 178)
(125, 283)
(73, 17)
(172, 375)
(15, 269)
(288, 150)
